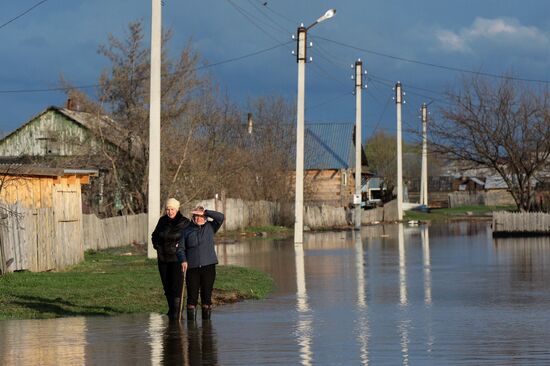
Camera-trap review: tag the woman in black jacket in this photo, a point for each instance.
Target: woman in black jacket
(165, 238)
(198, 258)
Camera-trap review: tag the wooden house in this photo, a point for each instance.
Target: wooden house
(61, 132)
(63, 137)
(40, 217)
(329, 164)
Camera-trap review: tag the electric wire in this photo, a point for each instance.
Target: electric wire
(89, 86)
(275, 24)
(429, 64)
(264, 4)
(250, 18)
(331, 100)
(23, 13)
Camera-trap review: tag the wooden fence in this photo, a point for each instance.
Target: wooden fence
(521, 223)
(35, 240)
(458, 199)
(114, 231)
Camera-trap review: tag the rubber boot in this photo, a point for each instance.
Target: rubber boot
(191, 314)
(175, 308)
(170, 305)
(206, 312)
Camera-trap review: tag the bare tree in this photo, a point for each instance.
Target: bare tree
(206, 148)
(124, 95)
(270, 145)
(503, 126)
(381, 151)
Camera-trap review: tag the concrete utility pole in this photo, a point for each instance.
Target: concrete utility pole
(358, 162)
(301, 58)
(399, 102)
(300, 127)
(424, 181)
(153, 202)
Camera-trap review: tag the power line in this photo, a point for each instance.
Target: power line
(429, 64)
(23, 13)
(264, 3)
(338, 97)
(89, 86)
(261, 11)
(248, 16)
(243, 56)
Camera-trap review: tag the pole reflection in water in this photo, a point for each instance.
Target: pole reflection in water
(404, 324)
(402, 267)
(362, 316)
(424, 234)
(302, 306)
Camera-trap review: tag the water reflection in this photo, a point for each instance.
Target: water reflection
(426, 262)
(527, 255)
(402, 266)
(362, 315)
(396, 295)
(304, 325)
(46, 342)
(404, 323)
(183, 343)
(424, 233)
(156, 327)
(201, 345)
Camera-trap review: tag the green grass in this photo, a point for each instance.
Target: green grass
(109, 283)
(457, 212)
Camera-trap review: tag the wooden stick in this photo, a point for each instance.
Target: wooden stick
(182, 297)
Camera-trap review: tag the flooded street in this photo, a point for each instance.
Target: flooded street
(394, 295)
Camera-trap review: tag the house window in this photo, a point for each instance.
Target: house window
(49, 145)
(344, 178)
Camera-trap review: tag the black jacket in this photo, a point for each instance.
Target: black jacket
(197, 242)
(166, 236)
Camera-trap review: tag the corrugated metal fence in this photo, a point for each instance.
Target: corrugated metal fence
(515, 223)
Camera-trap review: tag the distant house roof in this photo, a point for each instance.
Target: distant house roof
(495, 182)
(101, 125)
(330, 146)
(478, 181)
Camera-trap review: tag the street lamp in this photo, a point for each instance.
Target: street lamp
(301, 59)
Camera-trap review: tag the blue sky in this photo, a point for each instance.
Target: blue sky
(439, 36)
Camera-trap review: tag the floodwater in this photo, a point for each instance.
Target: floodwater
(444, 294)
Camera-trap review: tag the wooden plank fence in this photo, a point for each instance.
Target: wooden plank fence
(458, 199)
(28, 241)
(114, 231)
(521, 223)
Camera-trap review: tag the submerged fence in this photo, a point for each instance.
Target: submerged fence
(521, 223)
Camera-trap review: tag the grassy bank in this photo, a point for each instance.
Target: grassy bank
(456, 213)
(108, 283)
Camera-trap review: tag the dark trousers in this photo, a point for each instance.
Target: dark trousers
(201, 278)
(171, 277)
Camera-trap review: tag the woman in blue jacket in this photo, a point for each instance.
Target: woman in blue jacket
(198, 259)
